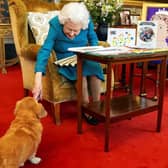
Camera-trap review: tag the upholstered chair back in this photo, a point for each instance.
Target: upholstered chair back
(19, 10)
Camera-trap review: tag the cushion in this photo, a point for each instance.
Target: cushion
(39, 24)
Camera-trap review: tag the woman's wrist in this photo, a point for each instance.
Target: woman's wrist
(38, 77)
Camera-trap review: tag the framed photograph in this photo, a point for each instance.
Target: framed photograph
(4, 13)
(121, 36)
(134, 19)
(157, 12)
(150, 9)
(125, 17)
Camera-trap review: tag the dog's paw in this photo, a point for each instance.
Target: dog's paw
(35, 160)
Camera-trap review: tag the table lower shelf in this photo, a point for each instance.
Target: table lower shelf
(121, 107)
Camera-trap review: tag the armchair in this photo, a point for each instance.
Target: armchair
(56, 88)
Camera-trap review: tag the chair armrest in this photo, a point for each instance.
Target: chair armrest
(54, 75)
(60, 88)
(30, 51)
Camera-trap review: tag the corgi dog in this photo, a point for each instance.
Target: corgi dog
(21, 140)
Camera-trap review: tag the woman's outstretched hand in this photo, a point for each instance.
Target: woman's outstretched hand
(37, 90)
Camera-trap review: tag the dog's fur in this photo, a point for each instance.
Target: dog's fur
(22, 139)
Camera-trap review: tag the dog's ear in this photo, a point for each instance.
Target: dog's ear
(28, 103)
(17, 107)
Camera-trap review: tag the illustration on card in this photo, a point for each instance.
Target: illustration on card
(147, 34)
(121, 36)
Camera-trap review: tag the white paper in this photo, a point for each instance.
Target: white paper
(112, 51)
(85, 49)
(118, 37)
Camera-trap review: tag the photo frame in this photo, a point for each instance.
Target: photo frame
(125, 17)
(157, 12)
(4, 13)
(134, 19)
(147, 34)
(149, 9)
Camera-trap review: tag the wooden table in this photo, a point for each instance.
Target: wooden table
(5, 32)
(119, 108)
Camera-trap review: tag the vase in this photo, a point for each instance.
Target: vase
(101, 31)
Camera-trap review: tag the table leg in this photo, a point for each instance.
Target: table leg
(131, 81)
(162, 78)
(123, 75)
(2, 55)
(116, 76)
(143, 79)
(155, 97)
(79, 94)
(107, 105)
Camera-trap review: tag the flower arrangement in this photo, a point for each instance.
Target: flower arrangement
(104, 11)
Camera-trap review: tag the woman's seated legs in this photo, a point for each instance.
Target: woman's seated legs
(95, 88)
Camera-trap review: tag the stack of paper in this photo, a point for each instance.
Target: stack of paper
(100, 50)
(85, 49)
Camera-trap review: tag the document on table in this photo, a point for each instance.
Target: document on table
(112, 51)
(101, 50)
(85, 49)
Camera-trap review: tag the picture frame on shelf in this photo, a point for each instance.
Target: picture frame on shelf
(4, 13)
(125, 17)
(134, 19)
(133, 3)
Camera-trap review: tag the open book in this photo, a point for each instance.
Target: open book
(69, 61)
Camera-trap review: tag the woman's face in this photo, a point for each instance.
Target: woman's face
(71, 29)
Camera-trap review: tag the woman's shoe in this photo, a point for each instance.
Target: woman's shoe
(90, 120)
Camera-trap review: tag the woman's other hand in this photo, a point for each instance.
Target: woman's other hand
(37, 90)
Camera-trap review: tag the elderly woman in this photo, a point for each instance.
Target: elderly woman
(71, 28)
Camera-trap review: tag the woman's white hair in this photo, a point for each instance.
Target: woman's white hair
(76, 12)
